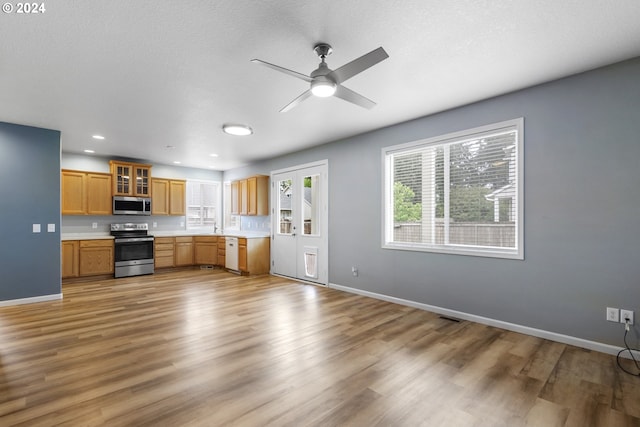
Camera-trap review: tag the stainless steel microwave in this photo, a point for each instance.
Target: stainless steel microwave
(124, 205)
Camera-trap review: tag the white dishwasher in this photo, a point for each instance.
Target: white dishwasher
(231, 253)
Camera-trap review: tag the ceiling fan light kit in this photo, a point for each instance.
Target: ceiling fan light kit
(323, 87)
(325, 82)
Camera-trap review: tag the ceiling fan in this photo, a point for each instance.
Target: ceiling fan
(326, 82)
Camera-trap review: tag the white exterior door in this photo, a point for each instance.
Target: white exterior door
(299, 231)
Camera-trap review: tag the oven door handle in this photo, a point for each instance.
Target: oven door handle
(134, 239)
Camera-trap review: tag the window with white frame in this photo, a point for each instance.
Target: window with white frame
(459, 193)
(203, 204)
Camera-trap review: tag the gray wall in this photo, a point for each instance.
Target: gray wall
(29, 194)
(582, 210)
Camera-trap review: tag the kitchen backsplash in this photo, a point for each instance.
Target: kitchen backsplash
(85, 224)
(255, 223)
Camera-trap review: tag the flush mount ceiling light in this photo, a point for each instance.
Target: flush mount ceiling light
(238, 130)
(98, 137)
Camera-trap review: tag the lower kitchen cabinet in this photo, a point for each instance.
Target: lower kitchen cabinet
(206, 250)
(253, 255)
(222, 250)
(96, 257)
(70, 258)
(163, 252)
(183, 251)
(242, 255)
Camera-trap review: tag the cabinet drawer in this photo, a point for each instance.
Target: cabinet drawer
(164, 240)
(164, 261)
(105, 243)
(184, 239)
(164, 247)
(206, 239)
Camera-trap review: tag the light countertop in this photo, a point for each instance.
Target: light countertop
(85, 236)
(175, 233)
(230, 233)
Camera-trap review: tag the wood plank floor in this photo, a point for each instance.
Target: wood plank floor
(209, 348)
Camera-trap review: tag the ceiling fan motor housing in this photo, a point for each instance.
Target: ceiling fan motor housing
(322, 50)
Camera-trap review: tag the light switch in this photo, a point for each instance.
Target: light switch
(51, 228)
(36, 228)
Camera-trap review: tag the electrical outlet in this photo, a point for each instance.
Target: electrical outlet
(354, 271)
(613, 314)
(626, 314)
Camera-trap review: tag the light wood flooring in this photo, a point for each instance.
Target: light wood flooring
(209, 348)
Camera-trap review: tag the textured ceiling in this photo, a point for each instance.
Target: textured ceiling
(152, 74)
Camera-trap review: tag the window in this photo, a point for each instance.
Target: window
(460, 193)
(203, 204)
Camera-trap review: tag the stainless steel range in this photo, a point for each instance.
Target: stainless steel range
(133, 249)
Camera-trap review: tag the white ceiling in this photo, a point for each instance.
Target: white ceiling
(151, 74)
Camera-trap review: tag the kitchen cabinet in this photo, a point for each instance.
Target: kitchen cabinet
(244, 197)
(98, 194)
(70, 258)
(250, 196)
(183, 251)
(242, 255)
(235, 198)
(221, 251)
(177, 197)
(168, 196)
(73, 193)
(85, 193)
(96, 257)
(131, 179)
(163, 252)
(253, 255)
(258, 195)
(206, 250)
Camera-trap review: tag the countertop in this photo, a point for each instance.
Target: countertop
(176, 233)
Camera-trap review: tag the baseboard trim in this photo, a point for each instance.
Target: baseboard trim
(540, 333)
(30, 300)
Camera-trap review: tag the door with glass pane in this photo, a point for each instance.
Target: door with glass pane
(299, 212)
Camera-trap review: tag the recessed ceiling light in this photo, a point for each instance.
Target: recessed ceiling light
(89, 151)
(213, 155)
(238, 130)
(98, 137)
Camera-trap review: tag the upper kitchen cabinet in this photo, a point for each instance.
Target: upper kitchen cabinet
(73, 193)
(131, 179)
(85, 193)
(250, 196)
(168, 196)
(258, 195)
(235, 198)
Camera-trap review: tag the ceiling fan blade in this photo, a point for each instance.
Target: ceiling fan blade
(296, 101)
(358, 65)
(353, 97)
(283, 70)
